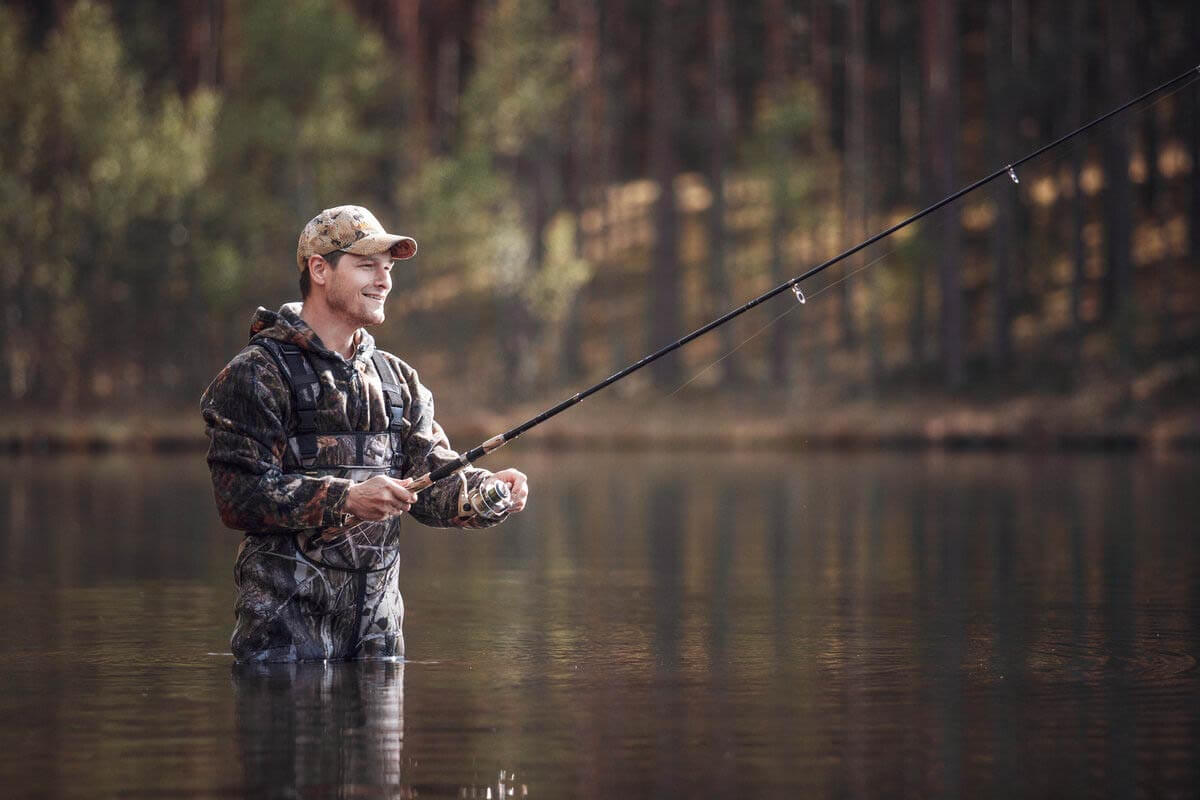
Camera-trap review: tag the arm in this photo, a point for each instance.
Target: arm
(245, 409)
(427, 448)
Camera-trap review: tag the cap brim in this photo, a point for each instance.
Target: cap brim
(400, 247)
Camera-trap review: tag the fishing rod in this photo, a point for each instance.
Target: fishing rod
(494, 498)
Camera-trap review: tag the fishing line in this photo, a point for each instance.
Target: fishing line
(802, 298)
(1008, 170)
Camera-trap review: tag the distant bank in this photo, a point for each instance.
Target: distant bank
(1026, 423)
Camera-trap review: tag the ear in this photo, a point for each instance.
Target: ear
(318, 270)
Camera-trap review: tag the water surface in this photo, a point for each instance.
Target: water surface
(700, 624)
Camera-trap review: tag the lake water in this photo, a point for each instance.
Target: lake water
(701, 624)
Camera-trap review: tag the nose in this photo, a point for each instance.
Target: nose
(383, 278)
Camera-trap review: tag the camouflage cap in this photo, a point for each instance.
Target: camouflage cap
(353, 229)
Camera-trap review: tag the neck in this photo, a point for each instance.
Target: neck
(335, 333)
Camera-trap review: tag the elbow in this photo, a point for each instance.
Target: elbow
(234, 493)
(234, 518)
(235, 514)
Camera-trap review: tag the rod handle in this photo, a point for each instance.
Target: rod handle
(420, 484)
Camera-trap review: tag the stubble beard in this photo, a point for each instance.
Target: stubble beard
(354, 307)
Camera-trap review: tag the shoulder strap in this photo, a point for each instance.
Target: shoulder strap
(393, 398)
(305, 388)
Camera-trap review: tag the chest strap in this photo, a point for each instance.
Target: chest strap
(393, 398)
(394, 401)
(305, 388)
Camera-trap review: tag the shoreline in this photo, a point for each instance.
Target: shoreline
(860, 429)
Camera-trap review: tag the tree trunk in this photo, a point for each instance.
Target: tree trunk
(1020, 286)
(1194, 227)
(1001, 124)
(1149, 71)
(720, 131)
(199, 51)
(855, 195)
(814, 322)
(403, 28)
(664, 317)
(775, 14)
(1151, 196)
(446, 92)
(1118, 279)
(941, 31)
(919, 179)
(888, 141)
(587, 161)
(838, 116)
(517, 328)
(822, 60)
(1078, 90)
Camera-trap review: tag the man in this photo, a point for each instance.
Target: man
(315, 437)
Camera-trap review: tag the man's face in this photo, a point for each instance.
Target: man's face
(358, 287)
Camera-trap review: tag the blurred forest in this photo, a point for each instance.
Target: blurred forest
(591, 180)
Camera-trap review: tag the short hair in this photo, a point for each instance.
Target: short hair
(306, 279)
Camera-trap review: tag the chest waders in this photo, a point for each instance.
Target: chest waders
(330, 592)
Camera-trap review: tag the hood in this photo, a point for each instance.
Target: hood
(286, 326)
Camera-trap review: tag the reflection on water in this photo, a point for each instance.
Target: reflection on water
(329, 730)
(824, 625)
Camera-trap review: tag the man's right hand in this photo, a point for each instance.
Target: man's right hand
(379, 498)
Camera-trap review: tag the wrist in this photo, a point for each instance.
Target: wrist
(337, 501)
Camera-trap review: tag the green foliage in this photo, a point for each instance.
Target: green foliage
(776, 148)
(131, 211)
(292, 137)
(130, 218)
(93, 182)
(472, 203)
(549, 292)
(465, 213)
(519, 97)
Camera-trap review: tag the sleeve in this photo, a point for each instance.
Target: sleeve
(427, 448)
(244, 411)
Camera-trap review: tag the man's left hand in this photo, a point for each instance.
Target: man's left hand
(518, 487)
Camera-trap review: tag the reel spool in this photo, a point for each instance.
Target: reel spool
(491, 499)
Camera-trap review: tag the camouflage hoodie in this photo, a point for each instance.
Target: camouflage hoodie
(257, 478)
(312, 583)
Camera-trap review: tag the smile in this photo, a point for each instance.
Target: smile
(377, 297)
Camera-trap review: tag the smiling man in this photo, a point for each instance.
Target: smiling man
(315, 436)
